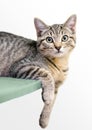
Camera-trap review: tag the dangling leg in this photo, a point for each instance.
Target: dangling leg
(46, 112)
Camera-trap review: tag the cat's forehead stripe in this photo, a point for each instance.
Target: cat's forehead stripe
(56, 28)
(52, 30)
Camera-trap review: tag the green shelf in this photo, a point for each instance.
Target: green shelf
(12, 88)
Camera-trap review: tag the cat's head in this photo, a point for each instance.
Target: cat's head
(57, 40)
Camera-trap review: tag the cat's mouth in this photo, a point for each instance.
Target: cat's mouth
(59, 51)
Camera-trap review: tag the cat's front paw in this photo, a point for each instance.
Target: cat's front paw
(43, 121)
(48, 97)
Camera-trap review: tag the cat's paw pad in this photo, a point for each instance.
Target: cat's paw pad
(48, 97)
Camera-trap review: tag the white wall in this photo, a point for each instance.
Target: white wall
(73, 107)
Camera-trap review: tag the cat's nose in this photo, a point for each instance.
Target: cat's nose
(58, 47)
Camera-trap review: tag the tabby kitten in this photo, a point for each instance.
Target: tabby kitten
(45, 59)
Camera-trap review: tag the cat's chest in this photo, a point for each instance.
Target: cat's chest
(59, 70)
(59, 75)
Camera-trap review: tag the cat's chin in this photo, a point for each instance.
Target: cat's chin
(56, 55)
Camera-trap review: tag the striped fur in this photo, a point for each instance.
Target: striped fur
(45, 59)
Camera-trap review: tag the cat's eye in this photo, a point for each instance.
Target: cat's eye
(49, 39)
(64, 38)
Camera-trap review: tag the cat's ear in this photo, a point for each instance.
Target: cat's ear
(71, 23)
(40, 26)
